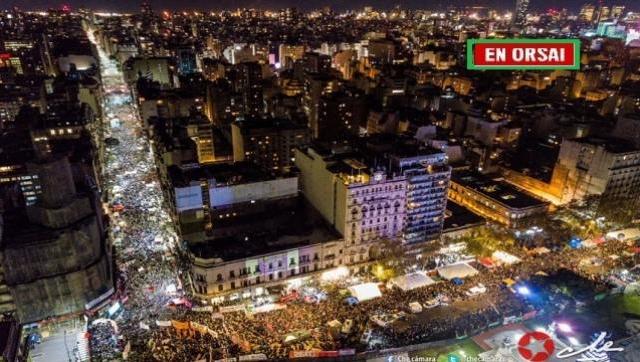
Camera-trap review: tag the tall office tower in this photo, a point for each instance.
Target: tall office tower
(340, 114)
(587, 13)
(604, 13)
(249, 85)
(428, 177)
(269, 143)
(617, 11)
(521, 12)
(187, 63)
(145, 8)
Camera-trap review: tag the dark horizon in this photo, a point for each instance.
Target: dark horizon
(133, 6)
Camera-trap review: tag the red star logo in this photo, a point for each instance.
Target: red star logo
(536, 346)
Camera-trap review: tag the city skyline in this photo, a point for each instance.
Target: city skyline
(286, 184)
(118, 5)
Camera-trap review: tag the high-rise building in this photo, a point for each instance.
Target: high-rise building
(145, 8)
(269, 143)
(520, 16)
(316, 63)
(365, 205)
(187, 63)
(604, 13)
(340, 113)
(288, 54)
(55, 256)
(249, 85)
(315, 86)
(397, 192)
(428, 178)
(597, 166)
(617, 11)
(587, 13)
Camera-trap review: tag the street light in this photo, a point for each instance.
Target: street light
(564, 327)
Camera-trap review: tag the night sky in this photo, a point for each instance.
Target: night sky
(133, 5)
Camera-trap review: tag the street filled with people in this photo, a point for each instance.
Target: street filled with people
(153, 316)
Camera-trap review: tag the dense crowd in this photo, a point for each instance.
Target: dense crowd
(140, 227)
(265, 333)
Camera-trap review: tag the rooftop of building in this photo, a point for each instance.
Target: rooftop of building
(268, 123)
(499, 191)
(613, 145)
(16, 147)
(276, 230)
(224, 174)
(379, 152)
(64, 46)
(20, 232)
(398, 146)
(459, 217)
(534, 158)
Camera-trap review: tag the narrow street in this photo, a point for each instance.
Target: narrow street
(141, 228)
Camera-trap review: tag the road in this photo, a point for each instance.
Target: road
(143, 233)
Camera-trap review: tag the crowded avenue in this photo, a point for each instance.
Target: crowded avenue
(141, 229)
(447, 295)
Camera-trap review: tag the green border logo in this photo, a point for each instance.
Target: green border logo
(574, 42)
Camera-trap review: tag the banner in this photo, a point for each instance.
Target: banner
(322, 354)
(200, 328)
(253, 357)
(232, 308)
(328, 354)
(163, 323)
(179, 325)
(208, 308)
(304, 354)
(347, 352)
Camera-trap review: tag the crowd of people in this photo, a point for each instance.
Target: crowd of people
(150, 278)
(242, 333)
(141, 229)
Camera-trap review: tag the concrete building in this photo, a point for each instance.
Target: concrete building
(597, 166)
(494, 200)
(249, 84)
(288, 240)
(628, 128)
(155, 68)
(54, 254)
(398, 192)
(365, 206)
(288, 54)
(340, 113)
(587, 13)
(269, 143)
(521, 12)
(428, 177)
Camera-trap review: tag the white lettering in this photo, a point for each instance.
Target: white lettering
(490, 54)
(517, 54)
(495, 54)
(530, 55)
(542, 55)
